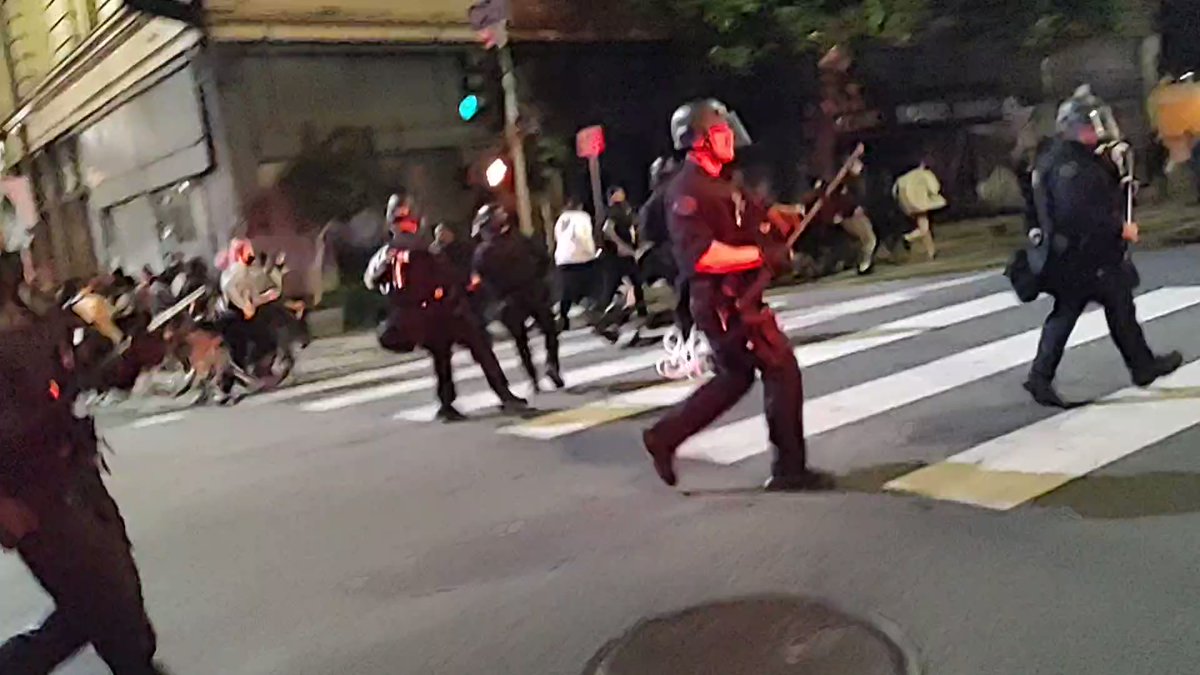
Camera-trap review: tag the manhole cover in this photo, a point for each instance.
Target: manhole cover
(756, 636)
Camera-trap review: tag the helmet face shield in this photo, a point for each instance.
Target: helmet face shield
(741, 136)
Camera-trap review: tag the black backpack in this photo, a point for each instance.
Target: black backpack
(1026, 284)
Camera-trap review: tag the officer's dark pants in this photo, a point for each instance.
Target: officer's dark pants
(81, 555)
(516, 311)
(736, 365)
(1111, 291)
(683, 309)
(438, 331)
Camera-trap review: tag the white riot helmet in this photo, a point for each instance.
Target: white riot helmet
(1086, 110)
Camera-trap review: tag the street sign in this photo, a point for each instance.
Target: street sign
(487, 13)
(494, 36)
(589, 142)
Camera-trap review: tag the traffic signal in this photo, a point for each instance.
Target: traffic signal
(480, 82)
(496, 172)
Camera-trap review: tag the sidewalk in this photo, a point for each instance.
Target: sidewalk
(982, 243)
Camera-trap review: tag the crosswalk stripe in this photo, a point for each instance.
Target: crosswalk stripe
(635, 403)
(588, 375)
(826, 313)
(1030, 462)
(399, 370)
(740, 440)
(381, 392)
(390, 372)
(791, 321)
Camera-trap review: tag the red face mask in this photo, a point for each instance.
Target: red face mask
(1088, 136)
(722, 143)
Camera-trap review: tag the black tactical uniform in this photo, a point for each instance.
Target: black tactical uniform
(429, 309)
(55, 510)
(513, 271)
(659, 262)
(741, 330)
(1079, 196)
(618, 265)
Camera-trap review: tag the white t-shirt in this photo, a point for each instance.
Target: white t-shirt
(244, 285)
(574, 239)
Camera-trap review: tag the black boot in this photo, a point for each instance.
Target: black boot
(1043, 392)
(1163, 365)
(514, 406)
(664, 458)
(449, 414)
(805, 481)
(555, 378)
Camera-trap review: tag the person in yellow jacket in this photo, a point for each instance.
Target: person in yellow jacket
(919, 193)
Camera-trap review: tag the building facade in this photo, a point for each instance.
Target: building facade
(146, 136)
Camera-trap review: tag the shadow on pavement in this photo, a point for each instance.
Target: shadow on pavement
(871, 479)
(868, 480)
(1126, 497)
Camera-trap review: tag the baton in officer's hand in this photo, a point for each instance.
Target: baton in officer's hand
(1130, 232)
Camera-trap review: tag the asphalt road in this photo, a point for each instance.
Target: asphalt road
(314, 533)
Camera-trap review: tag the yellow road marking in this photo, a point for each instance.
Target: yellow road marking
(970, 484)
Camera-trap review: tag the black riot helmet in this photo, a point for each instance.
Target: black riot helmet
(693, 120)
(490, 220)
(1085, 113)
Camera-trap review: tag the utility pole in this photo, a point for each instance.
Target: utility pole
(489, 18)
(516, 145)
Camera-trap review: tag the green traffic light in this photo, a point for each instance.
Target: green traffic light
(468, 108)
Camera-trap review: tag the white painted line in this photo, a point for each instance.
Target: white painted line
(375, 375)
(735, 442)
(825, 313)
(155, 420)
(595, 373)
(1048, 454)
(799, 319)
(803, 318)
(903, 329)
(385, 391)
(624, 405)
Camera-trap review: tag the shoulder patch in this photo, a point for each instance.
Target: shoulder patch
(1068, 170)
(684, 206)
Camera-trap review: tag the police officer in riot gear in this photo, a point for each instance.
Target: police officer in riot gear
(513, 271)
(659, 261)
(55, 510)
(1081, 190)
(430, 309)
(714, 230)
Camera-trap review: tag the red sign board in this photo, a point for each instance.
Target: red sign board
(589, 142)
